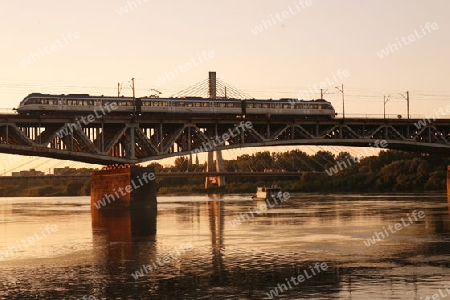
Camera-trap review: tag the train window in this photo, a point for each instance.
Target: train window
(221, 104)
(250, 105)
(206, 104)
(189, 104)
(197, 104)
(265, 105)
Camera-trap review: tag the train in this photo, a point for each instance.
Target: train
(37, 103)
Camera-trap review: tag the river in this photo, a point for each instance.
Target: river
(310, 246)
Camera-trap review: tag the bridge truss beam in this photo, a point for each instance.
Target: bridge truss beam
(135, 139)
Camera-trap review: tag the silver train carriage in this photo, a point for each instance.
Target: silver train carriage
(84, 104)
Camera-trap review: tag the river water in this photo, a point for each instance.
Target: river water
(55, 248)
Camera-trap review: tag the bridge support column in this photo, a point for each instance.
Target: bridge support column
(123, 186)
(448, 185)
(217, 167)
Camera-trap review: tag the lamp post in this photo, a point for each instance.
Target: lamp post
(386, 100)
(343, 103)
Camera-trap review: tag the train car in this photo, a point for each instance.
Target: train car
(72, 104)
(84, 104)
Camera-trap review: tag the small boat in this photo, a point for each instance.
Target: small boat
(264, 193)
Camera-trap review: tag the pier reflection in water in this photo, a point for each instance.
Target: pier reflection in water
(228, 261)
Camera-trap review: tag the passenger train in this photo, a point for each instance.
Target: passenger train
(37, 103)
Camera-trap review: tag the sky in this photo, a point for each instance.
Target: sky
(266, 49)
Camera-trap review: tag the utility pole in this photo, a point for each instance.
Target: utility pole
(407, 102)
(134, 98)
(119, 88)
(343, 102)
(322, 92)
(386, 100)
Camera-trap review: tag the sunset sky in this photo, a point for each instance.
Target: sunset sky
(85, 46)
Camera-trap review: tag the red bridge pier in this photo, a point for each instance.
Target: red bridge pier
(124, 187)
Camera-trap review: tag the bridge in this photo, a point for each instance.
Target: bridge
(167, 174)
(129, 139)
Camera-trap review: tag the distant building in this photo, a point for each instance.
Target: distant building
(64, 171)
(31, 172)
(71, 171)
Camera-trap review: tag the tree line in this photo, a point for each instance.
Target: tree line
(389, 171)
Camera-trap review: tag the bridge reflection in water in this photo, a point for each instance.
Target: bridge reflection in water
(251, 259)
(119, 237)
(216, 226)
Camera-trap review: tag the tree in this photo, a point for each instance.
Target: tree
(324, 160)
(181, 164)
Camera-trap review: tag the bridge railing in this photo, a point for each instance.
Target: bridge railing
(380, 116)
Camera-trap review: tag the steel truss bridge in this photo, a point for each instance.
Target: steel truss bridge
(128, 139)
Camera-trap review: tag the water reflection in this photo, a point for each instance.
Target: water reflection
(96, 252)
(123, 241)
(216, 225)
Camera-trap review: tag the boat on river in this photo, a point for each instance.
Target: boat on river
(264, 193)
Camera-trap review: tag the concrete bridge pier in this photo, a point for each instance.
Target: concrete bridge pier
(124, 187)
(218, 166)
